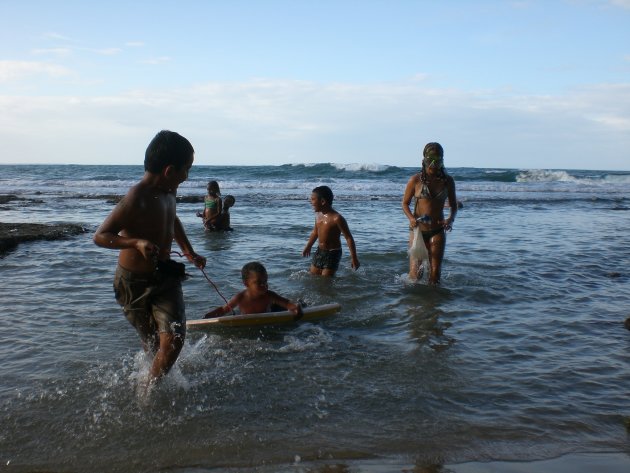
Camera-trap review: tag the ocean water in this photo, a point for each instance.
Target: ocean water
(521, 354)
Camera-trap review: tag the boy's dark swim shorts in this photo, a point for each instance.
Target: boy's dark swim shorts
(151, 301)
(327, 259)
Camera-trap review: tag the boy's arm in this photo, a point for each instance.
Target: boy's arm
(409, 193)
(311, 241)
(345, 230)
(107, 235)
(218, 312)
(286, 303)
(226, 309)
(452, 203)
(184, 244)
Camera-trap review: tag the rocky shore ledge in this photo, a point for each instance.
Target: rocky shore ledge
(12, 234)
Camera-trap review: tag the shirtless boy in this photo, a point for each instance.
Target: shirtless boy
(329, 226)
(256, 298)
(142, 226)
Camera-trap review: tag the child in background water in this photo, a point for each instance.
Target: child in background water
(224, 223)
(213, 206)
(216, 212)
(256, 298)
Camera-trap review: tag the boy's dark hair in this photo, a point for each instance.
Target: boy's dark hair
(252, 267)
(324, 192)
(228, 202)
(167, 148)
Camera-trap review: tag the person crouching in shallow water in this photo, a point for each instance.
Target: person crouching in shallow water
(429, 190)
(143, 226)
(228, 203)
(256, 298)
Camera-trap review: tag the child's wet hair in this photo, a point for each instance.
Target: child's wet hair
(324, 192)
(213, 186)
(167, 148)
(252, 267)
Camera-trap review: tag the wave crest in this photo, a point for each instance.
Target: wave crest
(544, 175)
(373, 167)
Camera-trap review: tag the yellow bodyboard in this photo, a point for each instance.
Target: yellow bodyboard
(268, 318)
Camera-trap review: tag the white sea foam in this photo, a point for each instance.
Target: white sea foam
(550, 176)
(360, 167)
(544, 175)
(617, 179)
(306, 165)
(305, 338)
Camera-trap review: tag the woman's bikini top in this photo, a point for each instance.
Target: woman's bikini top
(425, 193)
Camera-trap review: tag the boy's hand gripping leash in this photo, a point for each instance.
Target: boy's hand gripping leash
(182, 255)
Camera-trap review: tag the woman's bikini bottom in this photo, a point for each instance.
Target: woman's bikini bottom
(427, 235)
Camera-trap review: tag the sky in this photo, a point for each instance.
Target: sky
(540, 84)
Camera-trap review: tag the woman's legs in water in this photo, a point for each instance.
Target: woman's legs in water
(436, 245)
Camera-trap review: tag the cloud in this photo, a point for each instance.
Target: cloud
(157, 60)
(106, 51)
(267, 121)
(621, 3)
(52, 36)
(17, 70)
(59, 52)
(67, 45)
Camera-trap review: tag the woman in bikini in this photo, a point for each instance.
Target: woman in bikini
(429, 189)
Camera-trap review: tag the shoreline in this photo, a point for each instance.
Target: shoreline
(585, 462)
(610, 462)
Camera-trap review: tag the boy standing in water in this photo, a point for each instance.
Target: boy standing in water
(228, 203)
(142, 226)
(329, 226)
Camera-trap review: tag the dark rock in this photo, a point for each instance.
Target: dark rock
(114, 199)
(12, 234)
(6, 198)
(190, 199)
